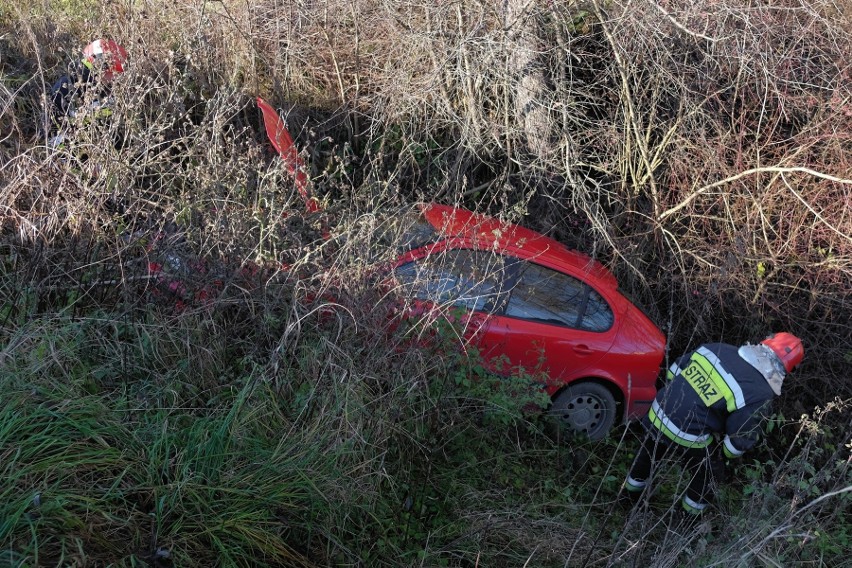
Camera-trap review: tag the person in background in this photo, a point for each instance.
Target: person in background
(716, 389)
(83, 92)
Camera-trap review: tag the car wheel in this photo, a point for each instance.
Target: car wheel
(586, 408)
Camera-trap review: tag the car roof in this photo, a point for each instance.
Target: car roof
(490, 233)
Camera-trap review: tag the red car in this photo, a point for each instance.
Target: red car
(536, 305)
(533, 303)
(530, 302)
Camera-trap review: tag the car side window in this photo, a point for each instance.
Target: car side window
(547, 296)
(598, 315)
(465, 278)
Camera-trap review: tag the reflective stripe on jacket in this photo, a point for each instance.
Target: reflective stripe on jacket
(712, 390)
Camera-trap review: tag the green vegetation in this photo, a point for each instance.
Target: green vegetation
(266, 415)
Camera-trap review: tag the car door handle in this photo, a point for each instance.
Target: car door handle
(582, 350)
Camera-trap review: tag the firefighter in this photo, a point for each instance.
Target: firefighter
(84, 92)
(718, 389)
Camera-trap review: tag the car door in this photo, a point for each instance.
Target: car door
(460, 285)
(551, 324)
(520, 315)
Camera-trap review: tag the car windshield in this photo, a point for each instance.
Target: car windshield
(406, 230)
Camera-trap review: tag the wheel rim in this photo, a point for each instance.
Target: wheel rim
(584, 413)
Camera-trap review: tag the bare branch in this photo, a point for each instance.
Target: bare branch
(766, 169)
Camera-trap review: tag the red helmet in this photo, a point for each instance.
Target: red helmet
(787, 347)
(105, 56)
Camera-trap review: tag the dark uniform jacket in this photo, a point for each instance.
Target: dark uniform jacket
(67, 88)
(79, 87)
(712, 390)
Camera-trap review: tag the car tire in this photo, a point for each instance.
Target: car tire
(585, 408)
